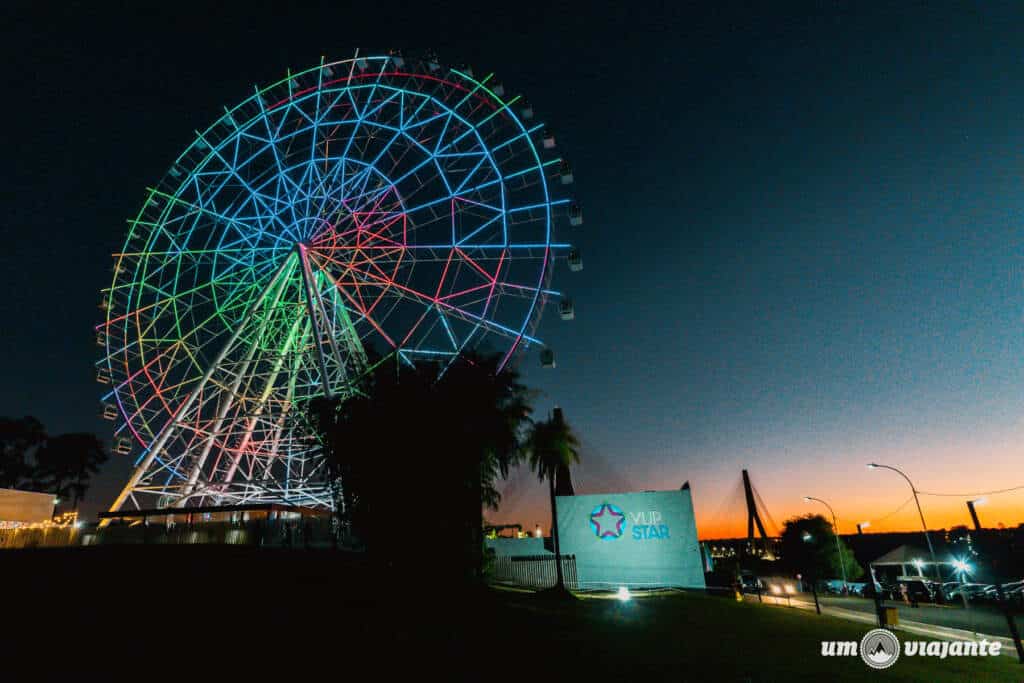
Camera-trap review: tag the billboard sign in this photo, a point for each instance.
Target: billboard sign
(638, 540)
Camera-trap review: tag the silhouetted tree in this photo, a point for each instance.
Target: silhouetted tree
(19, 437)
(552, 448)
(417, 453)
(808, 547)
(66, 463)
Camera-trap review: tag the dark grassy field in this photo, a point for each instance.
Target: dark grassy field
(195, 612)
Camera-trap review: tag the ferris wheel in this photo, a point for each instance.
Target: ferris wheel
(365, 208)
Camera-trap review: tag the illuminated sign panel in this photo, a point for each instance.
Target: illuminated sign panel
(632, 539)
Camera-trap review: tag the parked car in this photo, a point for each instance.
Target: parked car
(917, 591)
(974, 591)
(951, 589)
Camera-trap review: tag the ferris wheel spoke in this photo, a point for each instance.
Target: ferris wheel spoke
(425, 299)
(228, 279)
(272, 144)
(364, 314)
(257, 197)
(196, 207)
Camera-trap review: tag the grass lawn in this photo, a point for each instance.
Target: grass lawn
(695, 637)
(197, 612)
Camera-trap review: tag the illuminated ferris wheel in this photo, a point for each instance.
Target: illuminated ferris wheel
(366, 204)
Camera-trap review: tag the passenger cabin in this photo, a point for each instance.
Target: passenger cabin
(575, 215)
(566, 310)
(575, 260)
(565, 170)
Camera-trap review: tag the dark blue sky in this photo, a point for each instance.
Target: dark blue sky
(802, 245)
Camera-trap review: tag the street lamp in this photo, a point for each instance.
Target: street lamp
(924, 526)
(835, 530)
(862, 526)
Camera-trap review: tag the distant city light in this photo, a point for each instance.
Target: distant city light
(623, 594)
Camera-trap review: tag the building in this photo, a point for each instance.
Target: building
(20, 508)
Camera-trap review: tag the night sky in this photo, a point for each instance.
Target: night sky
(803, 245)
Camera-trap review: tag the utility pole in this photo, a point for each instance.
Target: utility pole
(1010, 622)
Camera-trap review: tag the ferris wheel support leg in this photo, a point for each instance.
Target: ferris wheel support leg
(357, 354)
(228, 402)
(261, 405)
(186, 405)
(289, 398)
(330, 328)
(324, 381)
(316, 305)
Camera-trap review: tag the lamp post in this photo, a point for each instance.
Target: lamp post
(924, 526)
(835, 530)
(807, 538)
(1010, 622)
(861, 527)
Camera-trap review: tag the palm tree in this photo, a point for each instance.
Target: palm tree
(425, 445)
(552, 448)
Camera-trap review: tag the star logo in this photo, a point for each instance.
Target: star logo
(608, 521)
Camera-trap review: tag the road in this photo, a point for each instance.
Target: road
(978, 619)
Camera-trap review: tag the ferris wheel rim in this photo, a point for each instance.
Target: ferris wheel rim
(169, 194)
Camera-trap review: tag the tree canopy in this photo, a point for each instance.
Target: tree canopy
(808, 547)
(417, 453)
(19, 439)
(32, 460)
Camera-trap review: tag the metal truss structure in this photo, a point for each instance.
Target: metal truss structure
(365, 203)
